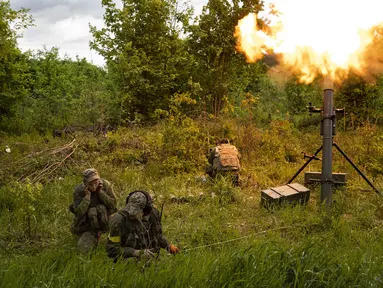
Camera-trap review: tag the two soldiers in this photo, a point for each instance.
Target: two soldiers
(134, 231)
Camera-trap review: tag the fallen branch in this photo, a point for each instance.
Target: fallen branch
(56, 165)
(48, 156)
(52, 151)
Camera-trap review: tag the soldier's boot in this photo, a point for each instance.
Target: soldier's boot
(102, 213)
(93, 219)
(86, 242)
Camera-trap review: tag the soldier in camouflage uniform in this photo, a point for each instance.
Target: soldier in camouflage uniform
(224, 160)
(93, 202)
(136, 231)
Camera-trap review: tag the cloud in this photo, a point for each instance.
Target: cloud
(55, 10)
(65, 24)
(198, 4)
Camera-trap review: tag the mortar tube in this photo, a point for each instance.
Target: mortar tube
(326, 179)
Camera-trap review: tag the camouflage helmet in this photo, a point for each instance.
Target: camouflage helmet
(138, 199)
(136, 203)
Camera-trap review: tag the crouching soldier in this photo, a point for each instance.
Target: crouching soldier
(136, 231)
(93, 202)
(224, 160)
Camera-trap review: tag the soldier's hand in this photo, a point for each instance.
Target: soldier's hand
(173, 249)
(87, 192)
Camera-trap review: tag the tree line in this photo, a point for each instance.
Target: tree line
(161, 62)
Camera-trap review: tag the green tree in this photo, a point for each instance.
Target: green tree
(299, 95)
(64, 92)
(13, 64)
(144, 53)
(212, 43)
(363, 100)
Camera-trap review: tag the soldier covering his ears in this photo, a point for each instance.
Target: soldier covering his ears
(93, 202)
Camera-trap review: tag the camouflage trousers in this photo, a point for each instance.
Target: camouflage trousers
(87, 241)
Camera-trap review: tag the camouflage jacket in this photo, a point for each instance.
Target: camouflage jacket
(104, 195)
(127, 234)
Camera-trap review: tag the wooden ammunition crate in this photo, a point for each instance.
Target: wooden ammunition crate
(315, 177)
(290, 193)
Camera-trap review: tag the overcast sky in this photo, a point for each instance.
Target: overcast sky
(64, 24)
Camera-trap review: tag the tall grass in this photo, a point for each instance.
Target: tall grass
(329, 259)
(289, 246)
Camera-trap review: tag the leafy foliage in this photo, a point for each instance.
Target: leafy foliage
(64, 92)
(361, 99)
(221, 71)
(13, 67)
(157, 57)
(144, 53)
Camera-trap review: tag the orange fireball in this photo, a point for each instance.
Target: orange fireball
(326, 37)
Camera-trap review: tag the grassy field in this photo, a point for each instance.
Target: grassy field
(226, 238)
